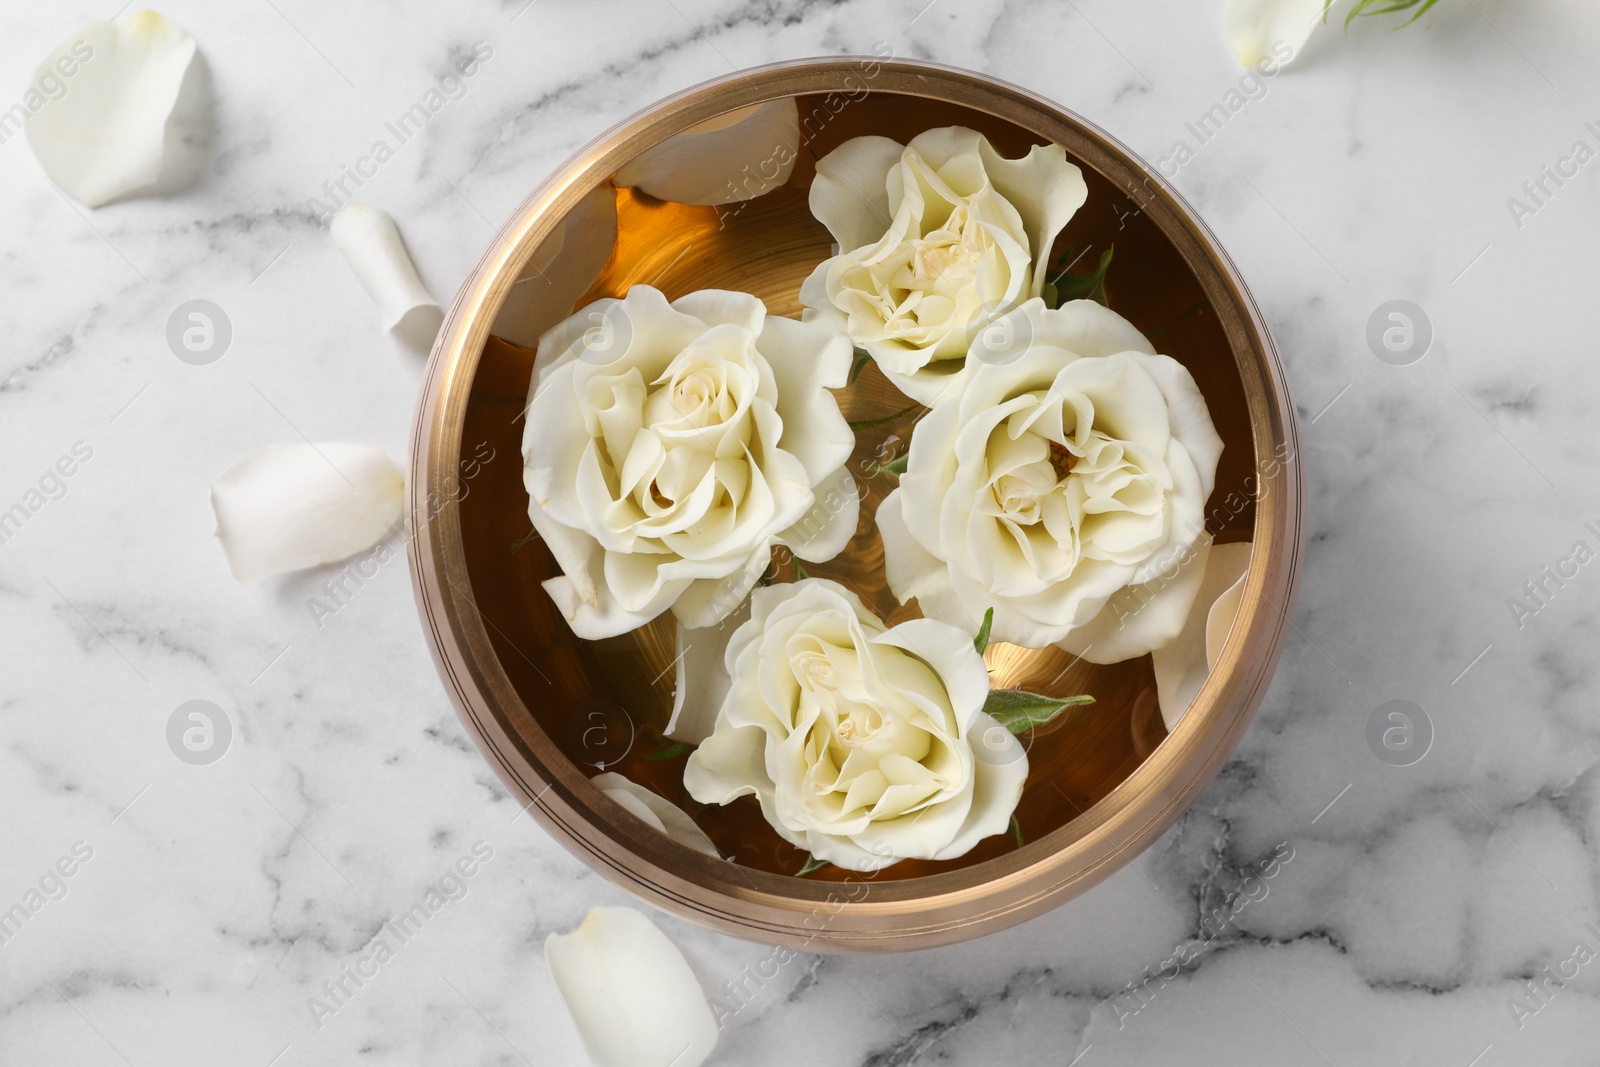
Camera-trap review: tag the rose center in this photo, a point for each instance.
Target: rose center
(814, 669)
(1062, 460)
(859, 725)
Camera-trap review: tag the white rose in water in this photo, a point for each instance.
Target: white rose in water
(669, 447)
(938, 238)
(863, 745)
(1064, 487)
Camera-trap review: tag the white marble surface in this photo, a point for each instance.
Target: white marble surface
(218, 899)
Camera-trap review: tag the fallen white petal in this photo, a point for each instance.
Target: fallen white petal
(294, 506)
(106, 134)
(1182, 667)
(560, 271)
(631, 992)
(1270, 29)
(737, 156)
(372, 246)
(655, 810)
(703, 680)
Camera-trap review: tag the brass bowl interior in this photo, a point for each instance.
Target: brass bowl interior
(603, 704)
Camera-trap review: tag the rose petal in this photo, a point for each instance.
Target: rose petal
(702, 677)
(1183, 666)
(1190, 417)
(660, 813)
(950, 652)
(370, 243)
(737, 156)
(294, 506)
(1142, 618)
(999, 771)
(707, 601)
(1219, 620)
(1258, 29)
(106, 135)
(560, 271)
(849, 194)
(631, 992)
(912, 571)
(807, 359)
(605, 617)
(823, 531)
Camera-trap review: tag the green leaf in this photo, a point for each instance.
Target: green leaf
(800, 572)
(894, 466)
(1369, 8)
(856, 368)
(1016, 831)
(811, 864)
(868, 424)
(1020, 711)
(531, 535)
(1091, 286)
(981, 642)
(676, 749)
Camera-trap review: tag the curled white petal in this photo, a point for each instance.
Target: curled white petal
(737, 156)
(1183, 666)
(560, 270)
(294, 506)
(631, 992)
(104, 135)
(367, 237)
(655, 810)
(702, 678)
(1262, 31)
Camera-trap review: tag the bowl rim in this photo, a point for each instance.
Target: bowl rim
(904, 913)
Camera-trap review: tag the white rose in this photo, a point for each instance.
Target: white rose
(863, 745)
(669, 447)
(937, 238)
(1064, 487)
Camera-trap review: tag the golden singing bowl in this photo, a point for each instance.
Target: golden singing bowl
(549, 710)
